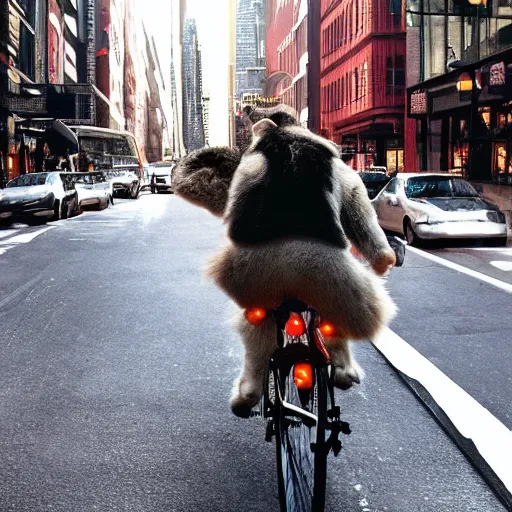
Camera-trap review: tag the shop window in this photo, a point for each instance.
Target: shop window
(395, 160)
(485, 115)
(502, 164)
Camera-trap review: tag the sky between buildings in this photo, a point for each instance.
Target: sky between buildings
(212, 26)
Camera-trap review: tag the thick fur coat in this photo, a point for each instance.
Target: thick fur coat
(292, 210)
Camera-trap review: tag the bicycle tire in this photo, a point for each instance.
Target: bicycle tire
(301, 472)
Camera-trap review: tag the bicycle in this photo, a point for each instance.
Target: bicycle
(298, 404)
(298, 401)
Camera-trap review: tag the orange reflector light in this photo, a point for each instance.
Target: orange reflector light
(295, 325)
(303, 376)
(255, 315)
(326, 329)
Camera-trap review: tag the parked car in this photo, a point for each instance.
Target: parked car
(374, 181)
(124, 183)
(425, 206)
(160, 176)
(93, 189)
(49, 195)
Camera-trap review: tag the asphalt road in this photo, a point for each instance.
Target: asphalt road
(116, 363)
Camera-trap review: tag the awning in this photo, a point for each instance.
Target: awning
(60, 138)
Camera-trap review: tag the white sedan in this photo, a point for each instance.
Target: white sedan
(93, 189)
(425, 206)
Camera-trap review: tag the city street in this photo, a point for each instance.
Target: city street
(117, 359)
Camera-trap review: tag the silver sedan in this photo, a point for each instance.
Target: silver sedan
(433, 206)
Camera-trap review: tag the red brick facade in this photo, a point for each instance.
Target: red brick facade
(363, 79)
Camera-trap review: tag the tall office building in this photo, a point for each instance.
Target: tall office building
(193, 130)
(250, 45)
(177, 20)
(206, 116)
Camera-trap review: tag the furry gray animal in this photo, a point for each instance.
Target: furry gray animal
(292, 210)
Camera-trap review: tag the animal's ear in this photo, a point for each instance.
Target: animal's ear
(203, 177)
(259, 129)
(281, 115)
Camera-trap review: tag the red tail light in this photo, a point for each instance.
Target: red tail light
(326, 329)
(295, 325)
(255, 315)
(303, 376)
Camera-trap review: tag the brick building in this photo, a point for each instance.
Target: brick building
(287, 54)
(363, 52)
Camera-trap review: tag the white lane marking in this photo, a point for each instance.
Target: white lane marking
(117, 221)
(8, 232)
(76, 239)
(5, 248)
(459, 268)
(492, 439)
(502, 265)
(25, 237)
(488, 249)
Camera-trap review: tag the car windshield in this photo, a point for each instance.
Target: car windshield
(28, 180)
(439, 186)
(372, 176)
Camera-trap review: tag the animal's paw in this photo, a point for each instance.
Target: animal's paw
(244, 397)
(384, 262)
(345, 377)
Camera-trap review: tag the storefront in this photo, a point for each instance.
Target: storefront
(375, 145)
(464, 121)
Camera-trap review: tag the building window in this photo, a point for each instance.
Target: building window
(395, 75)
(338, 105)
(357, 15)
(364, 79)
(21, 43)
(395, 9)
(356, 84)
(350, 24)
(342, 91)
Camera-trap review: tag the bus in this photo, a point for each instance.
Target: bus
(115, 153)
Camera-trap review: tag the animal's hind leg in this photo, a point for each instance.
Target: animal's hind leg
(347, 371)
(259, 342)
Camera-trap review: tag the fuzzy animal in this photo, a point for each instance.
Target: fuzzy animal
(292, 210)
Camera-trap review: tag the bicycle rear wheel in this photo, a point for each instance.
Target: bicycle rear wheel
(301, 465)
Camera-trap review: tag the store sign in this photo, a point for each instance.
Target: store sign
(418, 104)
(497, 74)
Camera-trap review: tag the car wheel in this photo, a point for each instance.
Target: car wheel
(76, 207)
(64, 209)
(409, 233)
(57, 210)
(134, 191)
